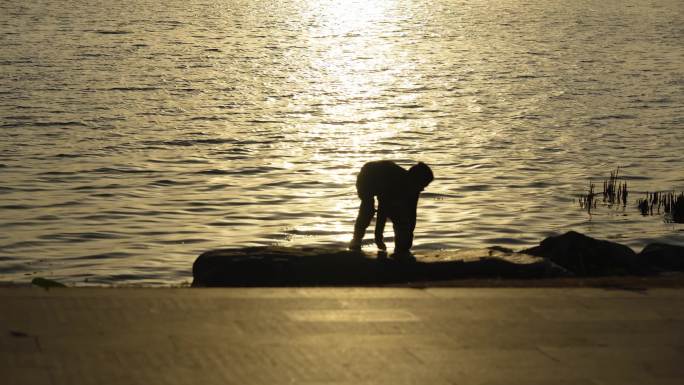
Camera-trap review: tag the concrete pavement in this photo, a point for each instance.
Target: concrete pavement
(341, 336)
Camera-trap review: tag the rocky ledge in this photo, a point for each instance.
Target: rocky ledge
(567, 255)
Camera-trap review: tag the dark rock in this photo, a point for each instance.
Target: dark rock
(662, 256)
(501, 248)
(285, 266)
(586, 256)
(46, 283)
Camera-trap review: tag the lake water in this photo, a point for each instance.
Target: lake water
(137, 134)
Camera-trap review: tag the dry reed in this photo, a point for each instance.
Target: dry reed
(671, 204)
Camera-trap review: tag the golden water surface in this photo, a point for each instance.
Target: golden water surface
(137, 134)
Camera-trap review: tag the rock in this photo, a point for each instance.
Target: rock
(662, 256)
(280, 266)
(289, 266)
(494, 262)
(586, 256)
(45, 283)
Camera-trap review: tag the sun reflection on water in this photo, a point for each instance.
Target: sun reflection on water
(352, 69)
(344, 17)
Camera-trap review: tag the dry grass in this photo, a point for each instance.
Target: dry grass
(668, 203)
(615, 193)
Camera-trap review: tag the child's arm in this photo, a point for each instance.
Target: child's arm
(380, 226)
(412, 211)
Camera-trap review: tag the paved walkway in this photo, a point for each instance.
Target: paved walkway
(341, 336)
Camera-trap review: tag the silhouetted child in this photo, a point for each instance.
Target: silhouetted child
(398, 191)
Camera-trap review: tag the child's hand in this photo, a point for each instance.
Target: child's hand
(380, 244)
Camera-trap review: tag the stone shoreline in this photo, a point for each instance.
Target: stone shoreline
(569, 259)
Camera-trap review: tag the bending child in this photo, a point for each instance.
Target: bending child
(397, 191)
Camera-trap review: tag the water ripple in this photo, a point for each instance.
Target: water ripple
(131, 144)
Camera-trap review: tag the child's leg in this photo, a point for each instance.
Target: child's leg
(363, 219)
(403, 236)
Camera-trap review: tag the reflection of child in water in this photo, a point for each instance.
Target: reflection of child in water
(398, 191)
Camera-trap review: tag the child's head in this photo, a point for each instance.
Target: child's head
(420, 175)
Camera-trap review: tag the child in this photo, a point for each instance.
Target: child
(398, 191)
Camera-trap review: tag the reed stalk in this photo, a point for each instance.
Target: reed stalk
(671, 204)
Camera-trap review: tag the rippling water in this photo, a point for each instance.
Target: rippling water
(137, 134)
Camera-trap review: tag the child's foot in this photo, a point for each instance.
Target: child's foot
(403, 255)
(355, 245)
